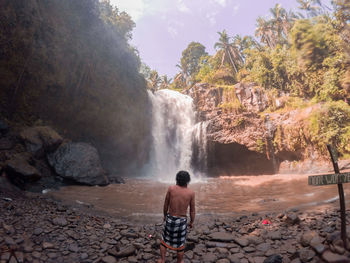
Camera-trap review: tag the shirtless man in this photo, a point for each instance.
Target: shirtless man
(177, 200)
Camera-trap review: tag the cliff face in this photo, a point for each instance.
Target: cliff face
(235, 135)
(242, 139)
(61, 63)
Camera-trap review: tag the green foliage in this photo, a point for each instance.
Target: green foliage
(191, 58)
(208, 66)
(230, 101)
(331, 125)
(260, 145)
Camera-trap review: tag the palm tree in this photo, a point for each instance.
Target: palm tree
(312, 7)
(165, 82)
(182, 75)
(280, 22)
(154, 80)
(265, 33)
(230, 51)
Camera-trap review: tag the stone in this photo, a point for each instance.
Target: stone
(292, 219)
(189, 254)
(79, 162)
(109, 259)
(84, 256)
(130, 233)
(306, 254)
(133, 259)
(40, 140)
(249, 249)
(28, 248)
(243, 242)
(52, 255)
(223, 260)
(274, 259)
(38, 231)
(47, 245)
(126, 251)
(331, 257)
(19, 170)
(209, 258)
(275, 235)
(319, 248)
(256, 259)
(221, 236)
(147, 256)
(73, 248)
(263, 247)
(306, 237)
(60, 221)
(217, 244)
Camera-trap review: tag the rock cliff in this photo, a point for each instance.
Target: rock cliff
(244, 138)
(63, 65)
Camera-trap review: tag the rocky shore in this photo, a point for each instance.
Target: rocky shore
(35, 228)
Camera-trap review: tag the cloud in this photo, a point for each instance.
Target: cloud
(174, 27)
(223, 3)
(236, 8)
(140, 8)
(182, 7)
(211, 16)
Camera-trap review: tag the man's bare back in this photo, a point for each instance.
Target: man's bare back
(177, 200)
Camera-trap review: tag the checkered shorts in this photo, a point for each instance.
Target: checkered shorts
(175, 230)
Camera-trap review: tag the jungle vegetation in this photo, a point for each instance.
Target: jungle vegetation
(302, 56)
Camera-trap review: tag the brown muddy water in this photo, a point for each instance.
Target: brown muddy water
(142, 199)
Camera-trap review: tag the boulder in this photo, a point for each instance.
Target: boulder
(20, 172)
(79, 162)
(40, 140)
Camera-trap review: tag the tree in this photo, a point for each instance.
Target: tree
(120, 22)
(190, 59)
(154, 81)
(230, 51)
(165, 82)
(265, 33)
(312, 7)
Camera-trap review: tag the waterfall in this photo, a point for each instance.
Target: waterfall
(200, 150)
(173, 126)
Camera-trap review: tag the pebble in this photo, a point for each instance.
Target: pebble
(100, 239)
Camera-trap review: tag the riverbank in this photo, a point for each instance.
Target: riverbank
(36, 228)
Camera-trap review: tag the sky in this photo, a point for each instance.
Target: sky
(164, 28)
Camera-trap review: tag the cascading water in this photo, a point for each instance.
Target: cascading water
(199, 146)
(173, 127)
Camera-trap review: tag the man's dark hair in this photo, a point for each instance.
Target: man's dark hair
(183, 178)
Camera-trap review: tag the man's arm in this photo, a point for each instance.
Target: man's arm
(192, 210)
(166, 203)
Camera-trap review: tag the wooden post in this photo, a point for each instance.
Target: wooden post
(334, 158)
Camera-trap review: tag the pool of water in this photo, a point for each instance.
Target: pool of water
(143, 198)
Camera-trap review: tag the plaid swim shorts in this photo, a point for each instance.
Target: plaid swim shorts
(175, 231)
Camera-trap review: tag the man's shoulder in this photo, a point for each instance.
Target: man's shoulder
(191, 191)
